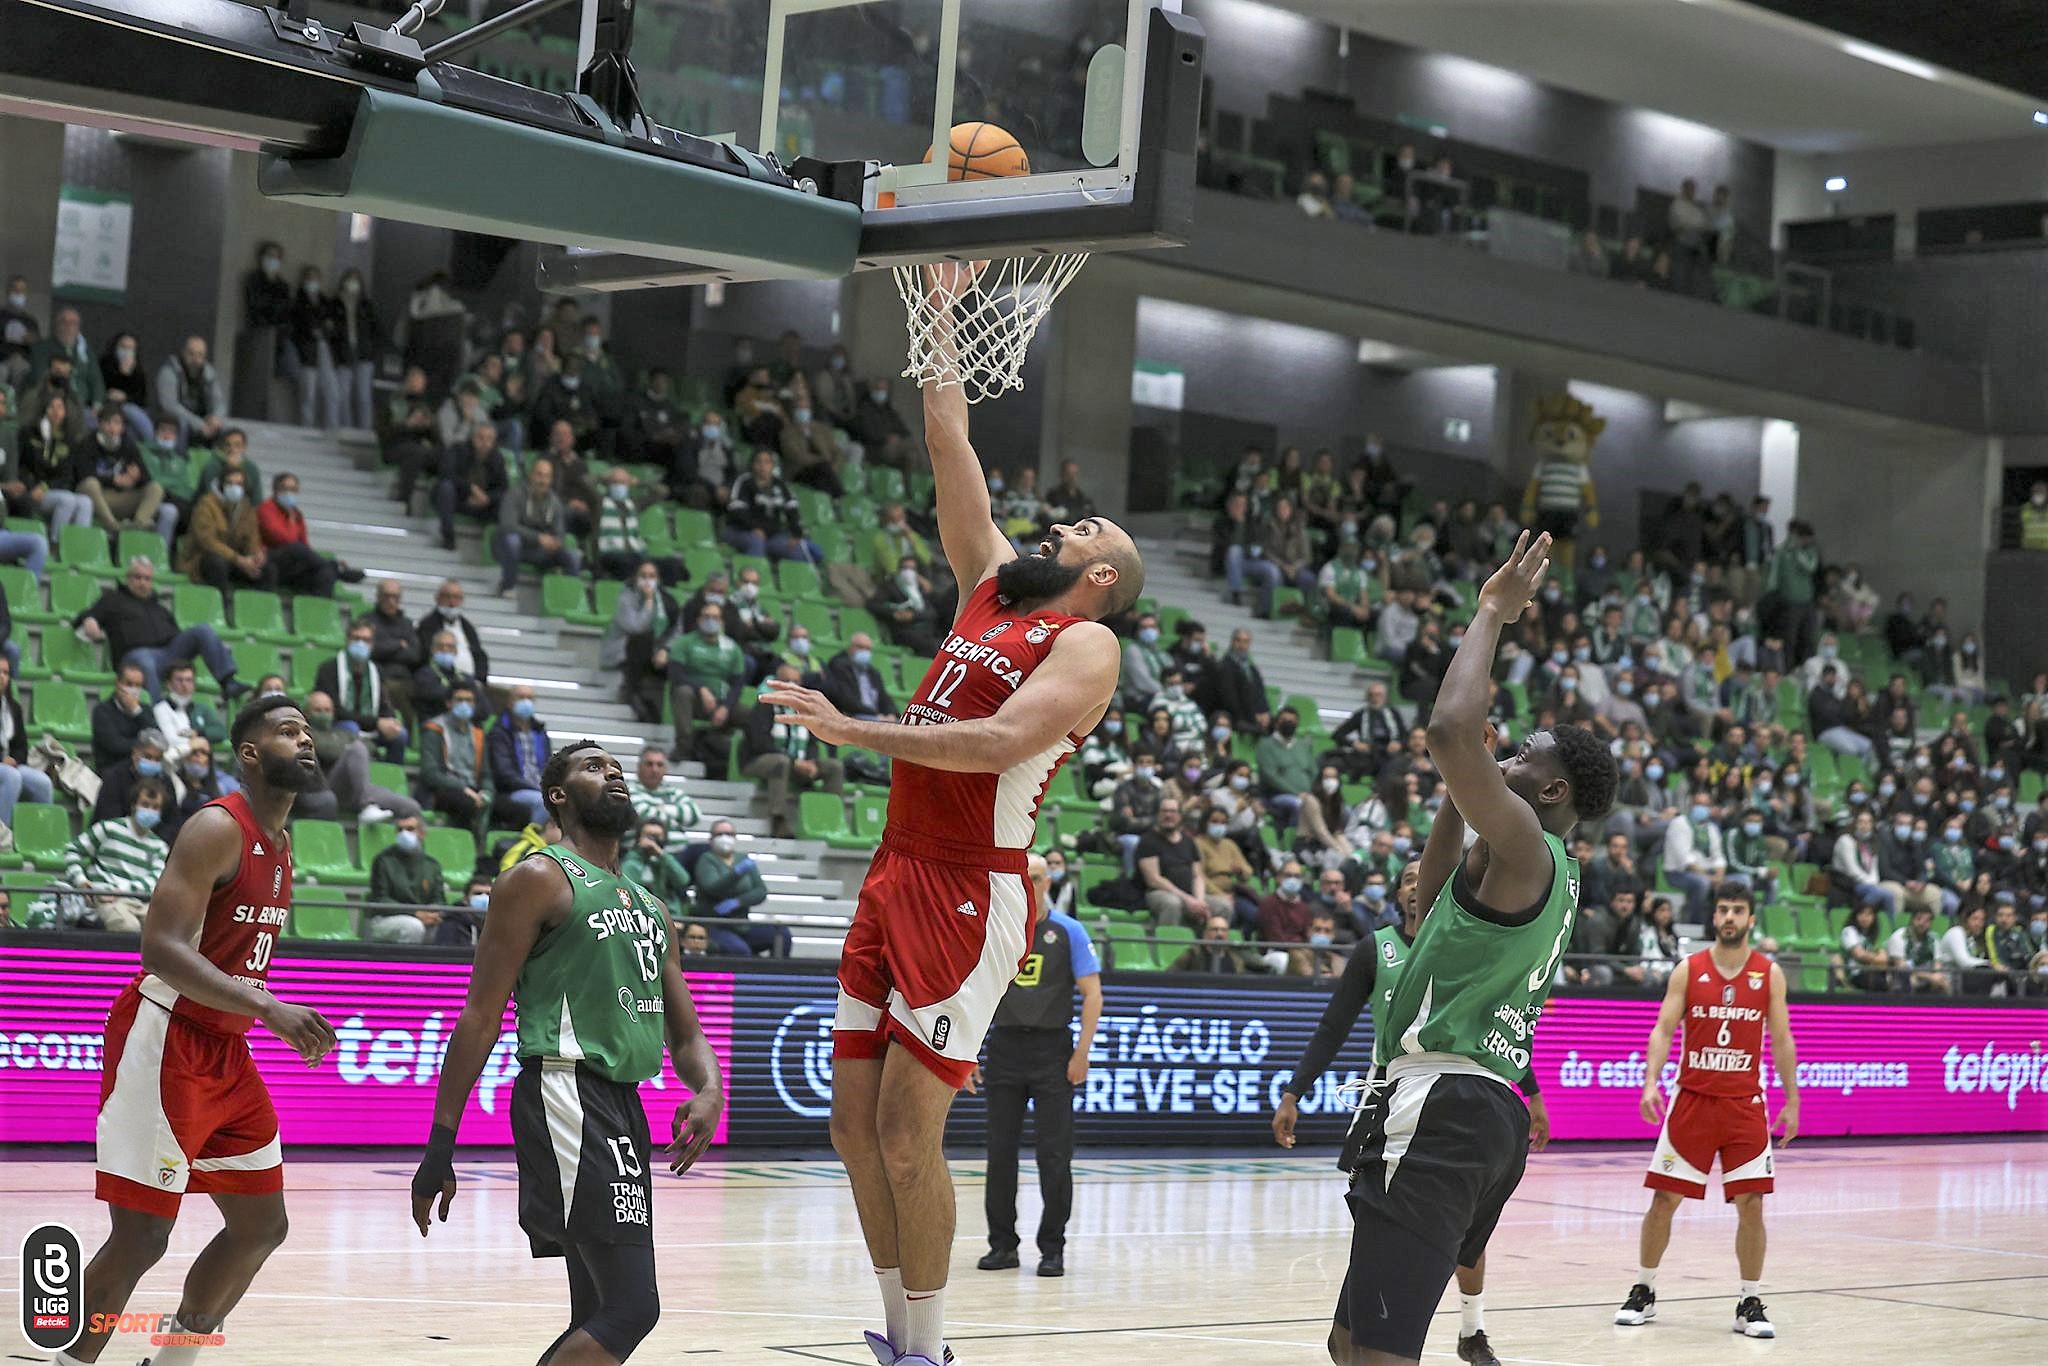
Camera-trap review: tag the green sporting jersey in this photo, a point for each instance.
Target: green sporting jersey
(1391, 952)
(1471, 988)
(590, 991)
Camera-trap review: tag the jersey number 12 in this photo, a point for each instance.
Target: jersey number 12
(948, 680)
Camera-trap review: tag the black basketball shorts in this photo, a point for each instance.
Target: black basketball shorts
(1437, 1158)
(585, 1159)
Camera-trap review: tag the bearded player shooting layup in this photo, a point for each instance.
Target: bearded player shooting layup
(1725, 995)
(945, 914)
(1443, 1146)
(182, 1107)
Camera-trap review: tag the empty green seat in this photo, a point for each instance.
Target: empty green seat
(853, 619)
(305, 670)
(1347, 645)
(261, 615)
(1171, 940)
(85, 547)
(604, 602)
(455, 851)
(321, 922)
(387, 775)
(815, 617)
(75, 661)
(319, 622)
(561, 594)
(135, 542)
(694, 527)
(41, 830)
(703, 560)
(870, 815)
(372, 840)
(59, 709)
(255, 658)
(71, 592)
(24, 594)
(320, 851)
(822, 816)
(198, 604)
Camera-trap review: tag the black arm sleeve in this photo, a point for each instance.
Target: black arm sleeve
(1347, 1003)
(1527, 1085)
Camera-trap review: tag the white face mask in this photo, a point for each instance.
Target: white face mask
(722, 844)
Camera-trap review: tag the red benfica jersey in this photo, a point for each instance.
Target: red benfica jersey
(244, 916)
(1723, 1043)
(990, 652)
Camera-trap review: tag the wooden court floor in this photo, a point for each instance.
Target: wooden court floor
(1900, 1253)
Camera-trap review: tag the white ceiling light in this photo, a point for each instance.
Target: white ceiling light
(1897, 61)
(2041, 116)
(1836, 184)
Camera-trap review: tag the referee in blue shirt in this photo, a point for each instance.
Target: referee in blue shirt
(1034, 1056)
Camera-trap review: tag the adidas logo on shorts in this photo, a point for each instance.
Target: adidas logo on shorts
(966, 908)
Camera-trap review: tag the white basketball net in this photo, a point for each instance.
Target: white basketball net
(970, 324)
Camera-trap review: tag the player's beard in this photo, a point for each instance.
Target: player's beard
(1036, 578)
(1730, 936)
(608, 817)
(288, 774)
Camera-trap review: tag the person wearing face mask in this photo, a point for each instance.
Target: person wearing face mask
(18, 782)
(1234, 684)
(125, 383)
(122, 855)
(19, 331)
(1227, 876)
(438, 676)
(1145, 662)
(761, 515)
(878, 427)
(853, 685)
(637, 641)
(1105, 757)
(1905, 867)
(225, 545)
(1183, 712)
(282, 527)
(812, 453)
(108, 472)
(202, 783)
(565, 398)
(786, 760)
(1287, 767)
(188, 390)
(1323, 819)
(706, 670)
(455, 768)
(727, 884)
(354, 339)
(311, 334)
(519, 746)
(183, 716)
(1749, 856)
(906, 610)
(1693, 856)
(449, 615)
(833, 390)
(405, 874)
(703, 469)
(1283, 922)
(621, 548)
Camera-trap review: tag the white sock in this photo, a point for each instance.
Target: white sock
(1471, 1313)
(893, 1315)
(1749, 1288)
(924, 1332)
(1647, 1275)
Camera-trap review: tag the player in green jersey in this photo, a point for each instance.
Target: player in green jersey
(1442, 1143)
(587, 957)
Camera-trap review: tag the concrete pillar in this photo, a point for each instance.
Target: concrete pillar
(1087, 397)
(31, 168)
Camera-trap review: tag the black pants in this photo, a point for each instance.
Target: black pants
(1029, 1065)
(301, 569)
(225, 577)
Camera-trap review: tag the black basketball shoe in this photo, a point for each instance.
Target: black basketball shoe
(1477, 1350)
(1639, 1308)
(1751, 1321)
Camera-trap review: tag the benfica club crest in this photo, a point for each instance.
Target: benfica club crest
(1756, 981)
(1040, 632)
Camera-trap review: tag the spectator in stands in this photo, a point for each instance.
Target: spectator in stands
(125, 748)
(621, 549)
(532, 529)
(1593, 938)
(19, 331)
(879, 428)
(852, 684)
(1344, 587)
(1689, 226)
(833, 390)
(1693, 856)
(706, 670)
(1283, 540)
(727, 887)
(1214, 952)
(67, 347)
(189, 390)
(647, 861)
(563, 399)
(345, 787)
(786, 760)
(1915, 949)
(1423, 665)
(656, 426)
(758, 407)
(1865, 964)
(439, 675)
(1067, 501)
(405, 873)
(408, 432)
(1399, 623)
(1170, 871)
(2011, 954)
(761, 515)
(1286, 766)
(1374, 734)
(182, 716)
(657, 799)
(137, 629)
(353, 340)
(519, 748)
(811, 450)
(1184, 714)
(1314, 199)
(282, 528)
(266, 294)
(1145, 662)
(225, 545)
(1322, 821)
(573, 483)
(1961, 953)
(109, 474)
(1283, 919)
(1854, 868)
(474, 479)
(702, 475)
(18, 782)
(903, 609)
(202, 782)
(1589, 257)
(356, 684)
(1226, 872)
(1134, 807)
(460, 413)
(455, 767)
(232, 454)
(1018, 511)
(637, 641)
(754, 624)
(1905, 868)
(1655, 945)
(1105, 757)
(448, 615)
(122, 855)
(311, 335)
(395, 645)
(2034, 517)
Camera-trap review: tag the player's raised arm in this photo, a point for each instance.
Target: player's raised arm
(1520, 868)
(1784, 1056)
(527, 898)
(1065, 695)
(974, 545)
(1657, 1052)
(696, 1066)
(207, 853)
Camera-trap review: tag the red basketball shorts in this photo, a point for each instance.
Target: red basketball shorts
(937, 936)
(181, 1108)
(1698, 1128)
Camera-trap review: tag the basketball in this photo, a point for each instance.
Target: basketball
(975, 151)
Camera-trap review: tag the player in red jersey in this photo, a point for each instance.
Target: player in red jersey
(181, 1105)
(1725, 995)
(945, 914)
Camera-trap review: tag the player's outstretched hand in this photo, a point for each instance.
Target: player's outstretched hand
(1513, 586)
(1788, 1121)
(1539, 1123)
(436, 1176)
(806, 707)
(1284, 1119)
(304, 1028)
(1653, 1104)
(695, 1123)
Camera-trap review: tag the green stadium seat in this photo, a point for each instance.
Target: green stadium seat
(261, 615)
(853, 619)
(319, 622)
(135, 542)
(41, 830)
(885, 485)
(816, 617)
(388, 775)
(71, 592)
(703, 560)
(604, 596)
(372, 840)
(833, 543)
(1172, 940)
(59, 708)
(822, 816)
(320, 851)
(455, 851)
(1127, 948)
(85, 548)
(197, 604)
(561, 594)
(1347, 645)
(870, 816)
(2030, 786)
(694, 526)
(77, 661)
(255, 658)
(798, 579)
(24, 595)
(306, 670)
(321, 922)
(1287, 602)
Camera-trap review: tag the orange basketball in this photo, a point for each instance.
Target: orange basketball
(978, 151)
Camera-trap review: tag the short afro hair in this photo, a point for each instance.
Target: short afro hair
(556, 771)
(1588, 767)
(252, 716)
